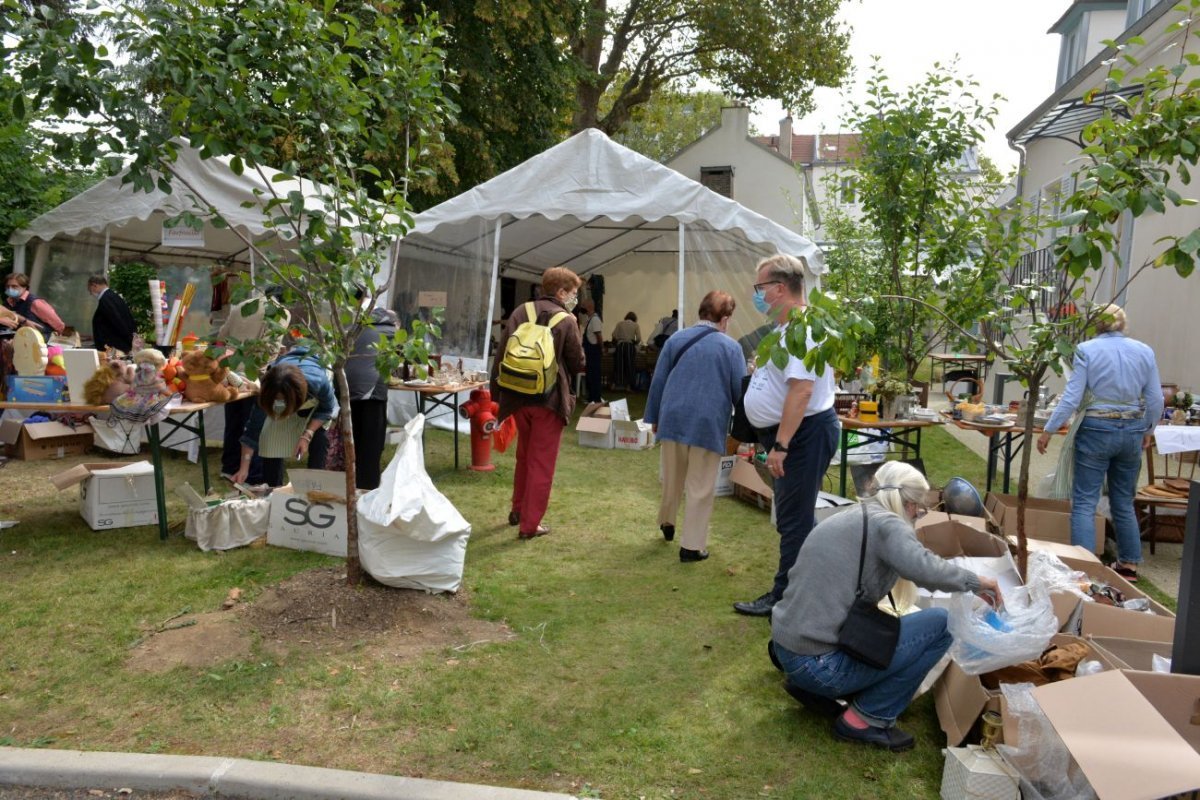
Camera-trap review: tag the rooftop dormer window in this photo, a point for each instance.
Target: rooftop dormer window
(1136, 10)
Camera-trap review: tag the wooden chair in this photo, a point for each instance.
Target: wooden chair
(1161, 505)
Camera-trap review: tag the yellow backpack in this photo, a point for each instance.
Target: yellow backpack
(529, 365)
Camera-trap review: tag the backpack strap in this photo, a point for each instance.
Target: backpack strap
(531, 315)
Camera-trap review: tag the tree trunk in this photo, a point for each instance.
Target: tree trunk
(1035, 385)
(354, 573)
(587, 48)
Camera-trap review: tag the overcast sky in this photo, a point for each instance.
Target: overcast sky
(1002, 44)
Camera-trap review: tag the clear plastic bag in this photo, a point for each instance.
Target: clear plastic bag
(986, 639)
(1089, 666)
(1047, 770)
(1137, 604)
(1048, 571)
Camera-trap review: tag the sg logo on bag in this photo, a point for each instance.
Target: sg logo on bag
(301, 513)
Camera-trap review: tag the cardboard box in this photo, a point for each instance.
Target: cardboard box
(113, 495)
(960, 699)
(954, 540)
(1131, 653)
(36, 441)
(1133, 734)
(632, 435)
(748, 485)
(36, 389)
(595, 424)
(1055, 548)
(303, 524)
(971, 773)
(724, 476)
(1048, 520)
(938, 517)
(829, 504)
(1094, 619)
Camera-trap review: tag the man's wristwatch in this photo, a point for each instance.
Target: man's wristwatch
(779, 447)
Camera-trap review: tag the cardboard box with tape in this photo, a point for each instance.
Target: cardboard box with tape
(113, 494)
(36, 441)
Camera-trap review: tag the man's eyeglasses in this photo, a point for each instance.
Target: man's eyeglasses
(758, 287)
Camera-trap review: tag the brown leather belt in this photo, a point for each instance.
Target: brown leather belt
(1115, 414)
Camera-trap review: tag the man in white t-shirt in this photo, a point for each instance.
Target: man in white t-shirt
(792, 408)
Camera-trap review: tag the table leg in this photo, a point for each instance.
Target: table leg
(1008, 456)
(160, 489)
(203, 453)
(993, 449)
(454, 397)
(843, 466)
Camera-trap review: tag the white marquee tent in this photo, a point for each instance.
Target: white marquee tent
(596, 207)
(113, 220)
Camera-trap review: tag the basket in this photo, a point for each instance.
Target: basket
(976, 395)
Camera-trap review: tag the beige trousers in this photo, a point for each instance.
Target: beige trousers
(690, 470)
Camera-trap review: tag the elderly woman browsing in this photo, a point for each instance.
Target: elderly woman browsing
(871, 547)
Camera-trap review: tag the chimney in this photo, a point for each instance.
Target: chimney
(737, 119)
(785, 137)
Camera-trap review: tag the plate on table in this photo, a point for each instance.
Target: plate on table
(418, 383)
(992, 422)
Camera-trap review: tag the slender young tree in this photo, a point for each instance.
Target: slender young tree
(300, 86)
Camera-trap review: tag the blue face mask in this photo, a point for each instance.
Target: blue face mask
(13, 292)
(760, 302)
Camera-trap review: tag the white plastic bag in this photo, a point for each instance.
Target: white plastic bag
(986, 640)
(409, 535)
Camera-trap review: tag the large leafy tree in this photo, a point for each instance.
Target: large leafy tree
(750, 50)
(305, 88)
(33, 180)
(669, 121)
(513, 89)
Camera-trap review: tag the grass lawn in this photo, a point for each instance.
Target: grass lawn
(630, 675)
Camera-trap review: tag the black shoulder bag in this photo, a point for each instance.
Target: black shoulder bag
(740, 427)
(869, 634)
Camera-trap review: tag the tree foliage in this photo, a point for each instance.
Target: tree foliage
(921, 209)
(305, 88)
(751, 50)
(669, 121)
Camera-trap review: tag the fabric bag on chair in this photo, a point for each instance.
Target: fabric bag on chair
(869, 633)
(409, 535)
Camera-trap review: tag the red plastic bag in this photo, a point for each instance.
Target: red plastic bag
(503, 436)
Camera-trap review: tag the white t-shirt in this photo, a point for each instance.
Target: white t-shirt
(593, 328)
(769, 387)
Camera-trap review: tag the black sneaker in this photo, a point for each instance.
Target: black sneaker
(758, 607)
(892, 738)
(686, 555)
(668, 532)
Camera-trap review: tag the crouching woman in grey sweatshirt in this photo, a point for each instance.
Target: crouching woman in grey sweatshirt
(821, 586)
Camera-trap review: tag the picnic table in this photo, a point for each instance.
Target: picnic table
(431, 396)
(903, 432)
(1004, 442)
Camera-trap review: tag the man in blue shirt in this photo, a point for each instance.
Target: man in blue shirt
(1115, 388)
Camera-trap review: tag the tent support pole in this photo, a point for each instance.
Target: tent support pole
(679, 302)
(250, 252)
(107, 243)
(19, 258)
(487, 330)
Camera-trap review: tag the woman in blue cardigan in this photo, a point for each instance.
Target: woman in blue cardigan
(697, 378)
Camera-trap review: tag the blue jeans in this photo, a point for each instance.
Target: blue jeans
(808, 456)
(878, 695)
(1112, 448)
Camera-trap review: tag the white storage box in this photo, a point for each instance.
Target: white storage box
(113, 495)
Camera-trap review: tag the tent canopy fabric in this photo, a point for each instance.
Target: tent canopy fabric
(595, 207)
(589, 200)
(134, 219)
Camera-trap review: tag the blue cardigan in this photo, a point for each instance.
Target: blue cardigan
(691, 399)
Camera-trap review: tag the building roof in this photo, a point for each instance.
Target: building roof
(834, 147)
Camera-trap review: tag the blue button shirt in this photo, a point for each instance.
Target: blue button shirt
(1122, 375)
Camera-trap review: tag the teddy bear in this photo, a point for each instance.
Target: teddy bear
(205, 378)
(109, 382)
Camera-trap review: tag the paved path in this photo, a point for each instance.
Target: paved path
(231, 777)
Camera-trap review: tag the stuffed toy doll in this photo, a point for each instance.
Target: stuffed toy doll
(205, 378)
(55, 363)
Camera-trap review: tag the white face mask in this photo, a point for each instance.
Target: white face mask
(279, 406)
(571, 302)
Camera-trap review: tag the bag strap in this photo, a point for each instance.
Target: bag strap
(531, 315)
(862, 557)
(688, 346)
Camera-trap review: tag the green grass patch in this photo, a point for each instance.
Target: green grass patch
(630, 675)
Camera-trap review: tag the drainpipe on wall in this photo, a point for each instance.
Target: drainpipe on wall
(1020, 167)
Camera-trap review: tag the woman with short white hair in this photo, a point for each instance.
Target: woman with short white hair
(822, 585)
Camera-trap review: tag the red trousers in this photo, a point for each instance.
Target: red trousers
(539, 433)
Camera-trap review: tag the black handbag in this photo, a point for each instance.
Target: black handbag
(740, 428)
(869, 634)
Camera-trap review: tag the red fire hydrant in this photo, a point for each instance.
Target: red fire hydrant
(481, 409)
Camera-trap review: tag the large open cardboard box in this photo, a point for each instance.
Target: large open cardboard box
(632, 434)
(1049, 520)
(36, 441)
(113, 494)
(1095, 619)
(749, 485)
(303, 524)
(1132, 653)
(595, 424)
(1134, 734)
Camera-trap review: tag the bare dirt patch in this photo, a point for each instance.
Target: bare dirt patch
(317, 609)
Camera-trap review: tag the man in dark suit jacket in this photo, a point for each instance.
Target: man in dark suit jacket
(112, 324)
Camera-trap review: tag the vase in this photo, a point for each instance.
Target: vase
(887, 408)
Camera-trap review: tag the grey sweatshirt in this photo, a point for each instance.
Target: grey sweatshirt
(821, 583)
